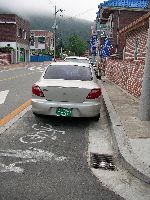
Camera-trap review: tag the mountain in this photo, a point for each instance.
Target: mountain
(66, 26)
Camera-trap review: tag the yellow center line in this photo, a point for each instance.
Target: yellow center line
(11, 115)
(15, 77)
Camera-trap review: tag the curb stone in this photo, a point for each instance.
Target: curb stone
(14, 120)
(121, 143)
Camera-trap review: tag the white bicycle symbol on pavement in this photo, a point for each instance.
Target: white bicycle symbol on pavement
(40, 68)
(42, 133)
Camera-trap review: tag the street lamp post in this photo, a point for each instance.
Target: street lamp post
(55, 26)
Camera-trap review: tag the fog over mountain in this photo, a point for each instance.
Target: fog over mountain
(81, 9)
(66, 25)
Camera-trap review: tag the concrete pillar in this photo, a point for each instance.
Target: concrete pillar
(144, 107)
(18, 54)
(27, 56)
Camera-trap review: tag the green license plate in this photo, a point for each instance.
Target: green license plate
(65, 112)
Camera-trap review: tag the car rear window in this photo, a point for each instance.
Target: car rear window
(67, 72)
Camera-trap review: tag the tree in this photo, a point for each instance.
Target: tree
(76, 45)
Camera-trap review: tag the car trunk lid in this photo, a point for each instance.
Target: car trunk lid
(66, 91)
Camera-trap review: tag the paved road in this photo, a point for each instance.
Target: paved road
(18, 83)
(45, 158)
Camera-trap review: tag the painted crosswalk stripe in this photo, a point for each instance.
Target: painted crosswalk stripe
(3, 95)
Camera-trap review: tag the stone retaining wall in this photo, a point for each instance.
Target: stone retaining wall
(5, 59)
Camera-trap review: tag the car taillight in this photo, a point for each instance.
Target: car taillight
(37, 91)
(94, 94)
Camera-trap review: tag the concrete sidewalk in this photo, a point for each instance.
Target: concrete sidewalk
(131, 137)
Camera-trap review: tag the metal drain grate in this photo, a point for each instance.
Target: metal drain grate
(102, 161)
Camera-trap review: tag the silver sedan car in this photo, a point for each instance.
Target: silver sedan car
(67, 89)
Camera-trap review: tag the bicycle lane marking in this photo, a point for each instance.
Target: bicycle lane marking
(40, 68)
(31, 155)
(40, 135)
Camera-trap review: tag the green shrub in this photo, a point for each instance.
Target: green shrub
(6, 49)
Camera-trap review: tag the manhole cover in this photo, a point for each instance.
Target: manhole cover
(102, 161)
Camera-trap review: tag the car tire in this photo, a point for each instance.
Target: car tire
(96, 118)
(37, 115)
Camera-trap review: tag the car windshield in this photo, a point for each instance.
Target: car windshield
(68, 72)
(76, 60)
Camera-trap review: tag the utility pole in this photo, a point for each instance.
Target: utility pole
(55, 26)
(144, 107)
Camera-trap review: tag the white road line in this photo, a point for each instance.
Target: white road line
(3, 95)
(26, 156)
(32, 68)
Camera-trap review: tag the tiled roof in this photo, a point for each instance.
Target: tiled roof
(141, 4)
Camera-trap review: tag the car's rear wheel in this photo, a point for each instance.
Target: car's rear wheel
(96, 118)
(37, 115)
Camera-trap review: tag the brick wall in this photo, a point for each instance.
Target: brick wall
(125, 18)
(126, 74)
(39, 33)
(141, 34)
(24, 25)
(42, 33)
(8, 30)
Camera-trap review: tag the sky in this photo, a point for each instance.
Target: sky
(84, 9)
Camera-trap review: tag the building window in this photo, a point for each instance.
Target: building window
(19, 32)
(25, 35)
(41, 40)
(32, 39)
